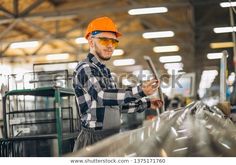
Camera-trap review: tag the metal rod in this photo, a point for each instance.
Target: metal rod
(31, 8)
(8, 29)
(6, 12)
(160, 94)
(223, 67)
(233, 36)
(16, 7)
(57, 98)
(4, 108)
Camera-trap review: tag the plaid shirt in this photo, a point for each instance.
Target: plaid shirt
(96, 93)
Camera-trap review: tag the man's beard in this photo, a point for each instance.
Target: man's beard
(99, 54)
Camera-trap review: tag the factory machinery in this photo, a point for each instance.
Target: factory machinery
(193, 131)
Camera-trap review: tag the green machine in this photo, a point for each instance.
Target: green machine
(41, 120)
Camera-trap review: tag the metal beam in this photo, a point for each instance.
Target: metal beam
(78, 25)
(37, 27)
(52, 2)
(41, 46)
(8, 29)
(84, 11)
(31, 7)
(6, 12)
(164, 18)
(31, 55)
(207, 16)
(51, 36)
(57, 28)
(147, 24)
(16, 7)
(61, 36)
(231, 9)
(176, 30)
(56, 2)
(4, 50)
(75, 47)
(25, 53)
(46, 39)
(24, 31)
(132, 2)
(204, 2)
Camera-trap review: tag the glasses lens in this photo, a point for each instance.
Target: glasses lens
(106, 41)
(103, 41)
(115, 43)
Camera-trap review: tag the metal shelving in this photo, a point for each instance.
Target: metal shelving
(55, 116)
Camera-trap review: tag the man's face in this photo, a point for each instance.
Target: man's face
(103, 45)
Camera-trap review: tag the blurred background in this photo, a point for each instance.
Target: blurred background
(41, 42)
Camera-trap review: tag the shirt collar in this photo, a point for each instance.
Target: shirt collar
(93, 59)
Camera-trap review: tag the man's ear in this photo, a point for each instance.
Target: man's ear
(90, 42)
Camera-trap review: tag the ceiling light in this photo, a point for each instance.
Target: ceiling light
(123, 62)
(217, 45)
(164, 59)
(170, 48)
(118, 52)
(224, 29)
(211, 56)
(150, 10)
(27, 44)
(81, 40)
(161, 34)
(59, 56)
(175, 66)
(228, 4)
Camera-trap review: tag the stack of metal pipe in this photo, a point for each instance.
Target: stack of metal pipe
(193, 131)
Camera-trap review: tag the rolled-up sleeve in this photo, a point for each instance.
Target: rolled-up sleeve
(136, 106)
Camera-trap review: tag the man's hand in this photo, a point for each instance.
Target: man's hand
(156, 103)
(150, 87)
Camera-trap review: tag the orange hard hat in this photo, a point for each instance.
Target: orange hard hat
(102, 24)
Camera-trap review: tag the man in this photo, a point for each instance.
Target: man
(100, 101)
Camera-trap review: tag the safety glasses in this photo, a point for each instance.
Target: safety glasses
(107, 41)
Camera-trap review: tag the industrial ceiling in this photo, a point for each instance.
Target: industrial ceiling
(57, 23)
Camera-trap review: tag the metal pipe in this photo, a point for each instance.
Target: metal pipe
(195, 130)
(155, 74)
(223, 67)
(233, 35)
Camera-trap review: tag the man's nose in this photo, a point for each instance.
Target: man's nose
(109, 44)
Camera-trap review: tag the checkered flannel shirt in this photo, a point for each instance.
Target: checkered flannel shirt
(96, 93)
